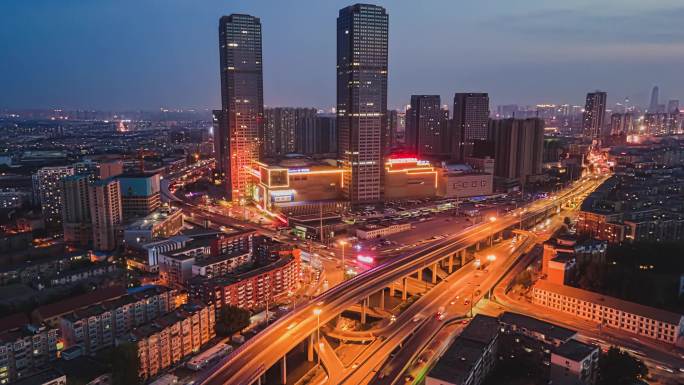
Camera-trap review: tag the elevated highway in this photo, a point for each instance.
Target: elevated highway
(247, 364)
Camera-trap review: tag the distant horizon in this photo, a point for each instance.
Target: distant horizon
(127, 55)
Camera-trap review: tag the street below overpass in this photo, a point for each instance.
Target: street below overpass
(248, 363)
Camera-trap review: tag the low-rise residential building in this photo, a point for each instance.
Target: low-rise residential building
(46, 268)
(221, 265)
(95, 327)
(471, 357)
(611, 312)
(50, 314)
(206, 252)
(643, 204)
(45, 377)
(537, 329)
(574, 363)
(68, 277)
(25, 348)
(173, 337)
(250, 289)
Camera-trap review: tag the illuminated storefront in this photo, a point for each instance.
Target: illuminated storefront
(293, 181)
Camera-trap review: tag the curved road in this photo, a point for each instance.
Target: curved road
(253, 358)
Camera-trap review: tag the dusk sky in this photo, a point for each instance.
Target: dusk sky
(146, 54)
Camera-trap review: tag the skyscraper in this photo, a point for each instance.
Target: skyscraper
(518, 148)
(469, 123)
(362, 35)
(286, 129)
(76, 210)
(106, 213)
(242, 98)
(653, 106)
(594, 114)
(426, 126)
(48, 184)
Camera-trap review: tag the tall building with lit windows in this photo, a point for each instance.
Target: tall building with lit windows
(106, 213)
(594, 114)
(48, 186)
(362, 35)
(242, 99)
(470, 122)
(426, 126)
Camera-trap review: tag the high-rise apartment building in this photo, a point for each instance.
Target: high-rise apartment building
(288, 130)
(76, 210)
(47, 182)
(242, 98)
(316, 134)
(594, 114)
(426, 126)
(469, 123)
(622, 124)
(325, 136)
(518, 147)
(362, 35)
(140, 194)
(106, 213)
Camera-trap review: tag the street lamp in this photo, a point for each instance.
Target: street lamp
(317, 313)
(343, 243)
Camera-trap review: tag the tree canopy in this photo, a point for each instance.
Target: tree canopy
(617, 367)
(232, 319)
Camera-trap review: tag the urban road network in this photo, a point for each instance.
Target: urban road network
(249, 363)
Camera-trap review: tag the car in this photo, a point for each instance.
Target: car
(417, 317)
(409, 378)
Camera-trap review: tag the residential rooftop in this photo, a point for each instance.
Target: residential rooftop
(612, 302)
(538, 326)
(575, 350)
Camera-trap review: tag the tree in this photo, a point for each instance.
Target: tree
(125, 364)
(232, 319)
(567, 221)
(524, 278)
(617, 367)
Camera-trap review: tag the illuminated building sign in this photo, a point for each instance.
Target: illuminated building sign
(419, 162)
(298, 170)
(282, 195)
(402, 160)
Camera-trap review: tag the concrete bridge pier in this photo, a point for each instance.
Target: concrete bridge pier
(283, 370)
(404, 291)
(310, 348)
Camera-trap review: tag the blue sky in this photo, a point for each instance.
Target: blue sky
(146, 54)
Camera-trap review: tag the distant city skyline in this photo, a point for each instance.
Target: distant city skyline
(126, 54)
